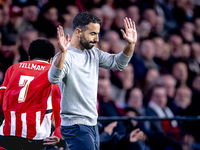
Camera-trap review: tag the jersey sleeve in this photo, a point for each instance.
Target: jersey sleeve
(5, 83)
(56, 98)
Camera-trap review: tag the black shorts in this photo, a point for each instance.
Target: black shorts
(19, 143)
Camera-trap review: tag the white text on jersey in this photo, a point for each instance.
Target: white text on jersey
(31, 66)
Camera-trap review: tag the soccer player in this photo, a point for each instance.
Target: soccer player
(76, 68)
(29, 100)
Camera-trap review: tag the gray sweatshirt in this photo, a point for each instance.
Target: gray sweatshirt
(78, 82)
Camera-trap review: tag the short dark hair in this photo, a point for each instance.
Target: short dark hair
(156, 86)
(8, 38)
(41, 49)
(84, 18)
(127, 109)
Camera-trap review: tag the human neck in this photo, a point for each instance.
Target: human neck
(75, 43)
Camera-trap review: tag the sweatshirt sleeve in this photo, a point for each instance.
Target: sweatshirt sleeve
(113, 61)
(55, 75)
(56, 98)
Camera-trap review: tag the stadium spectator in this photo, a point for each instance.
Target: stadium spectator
(180, 73)
(147, 53)
(169, 82)
(9, 51)
(148, 83)
(6, 14)
(118, 23)
(187, 31)
(48, 21)
(176, 42)
(167, 131)
(183, 100)
(134, 99)
(162, 55)
(133, 12)
(26, 38)
(30, 13)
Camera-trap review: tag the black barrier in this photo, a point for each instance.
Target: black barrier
(149, 118)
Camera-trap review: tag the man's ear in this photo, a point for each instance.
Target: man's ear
(78, 32)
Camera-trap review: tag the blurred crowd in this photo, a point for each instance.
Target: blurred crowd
(162, 79)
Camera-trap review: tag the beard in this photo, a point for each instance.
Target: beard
(85, 44)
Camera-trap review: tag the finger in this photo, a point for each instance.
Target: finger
(50, 138)
(134, 132)
(127, 21)
(115, 123)
(123, 33)
(134, 25)
(58, 32)
(50, 143)
(125, 24)
(131, 24)
(137, 130)
(62, 31)
(112, 125)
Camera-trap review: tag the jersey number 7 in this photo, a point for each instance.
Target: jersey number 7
(24, 81)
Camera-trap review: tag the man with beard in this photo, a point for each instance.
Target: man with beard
(75, 68)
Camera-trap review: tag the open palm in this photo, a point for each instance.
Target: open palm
(63, 42)
(131, 34)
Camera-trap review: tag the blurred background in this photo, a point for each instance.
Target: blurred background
(162, 78)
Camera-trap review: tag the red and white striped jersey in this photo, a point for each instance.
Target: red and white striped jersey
(28, 99)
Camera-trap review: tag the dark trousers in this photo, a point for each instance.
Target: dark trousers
(81, 137)
(19, 143)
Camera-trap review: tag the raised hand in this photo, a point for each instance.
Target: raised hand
(63, 42)
(131, 34)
